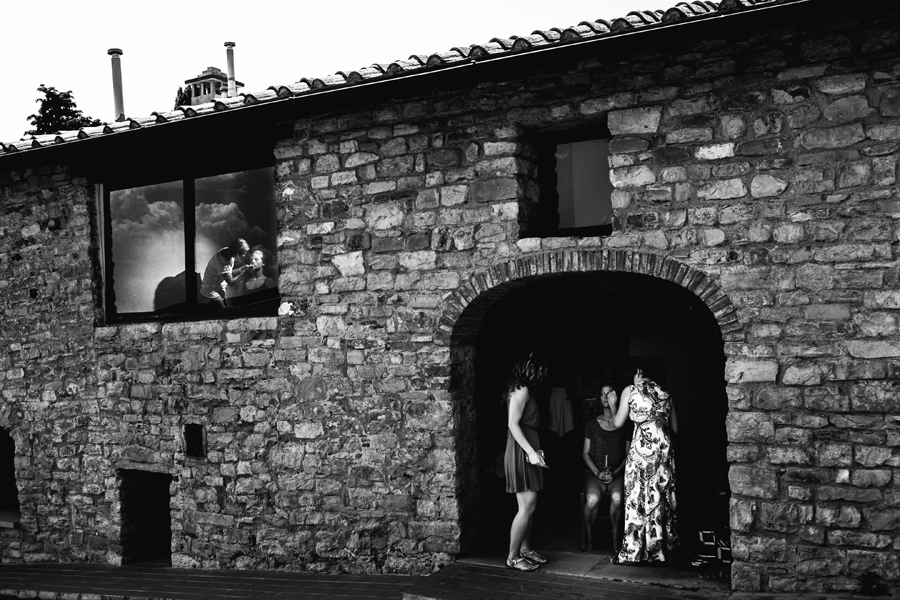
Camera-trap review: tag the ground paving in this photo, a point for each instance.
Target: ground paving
(464, 580)
(457, 581)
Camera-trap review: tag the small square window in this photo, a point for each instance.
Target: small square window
(573, 178)
(171, 247)
(194, 446)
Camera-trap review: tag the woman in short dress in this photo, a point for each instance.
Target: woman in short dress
(523, 460)
(650, 507)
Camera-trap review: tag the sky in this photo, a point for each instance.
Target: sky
(64, 43)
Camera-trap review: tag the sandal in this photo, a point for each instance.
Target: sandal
(520, 564)
(534, 557)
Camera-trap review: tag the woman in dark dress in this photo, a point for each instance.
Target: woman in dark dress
(523, 460)
(605, 449)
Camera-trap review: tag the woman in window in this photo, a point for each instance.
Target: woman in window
(259, 277)
(220, 272)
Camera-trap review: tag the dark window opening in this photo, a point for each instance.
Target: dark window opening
(9, 491)
(193, 441)
(146, 534)
(573, 179)
(166, 247)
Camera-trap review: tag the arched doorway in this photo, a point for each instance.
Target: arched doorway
(599, 316)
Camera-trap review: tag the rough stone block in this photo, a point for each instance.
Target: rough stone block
(724, 189)
(752, 481)
(832, 137)
(634, 120)
(747, 371)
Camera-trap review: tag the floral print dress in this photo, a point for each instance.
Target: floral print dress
(650, 508)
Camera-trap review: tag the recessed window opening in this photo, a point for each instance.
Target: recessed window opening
(582, 184)
(146, 534)
(9, 492)
(172, 247)
(575, 190)
(193, 440)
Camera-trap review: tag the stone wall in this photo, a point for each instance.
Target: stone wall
(340, 433)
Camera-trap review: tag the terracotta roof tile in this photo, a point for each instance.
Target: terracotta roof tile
(505, 43)
(586, 30)
(482, 50)
(228, 103)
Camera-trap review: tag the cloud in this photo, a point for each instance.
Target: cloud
(225, 222)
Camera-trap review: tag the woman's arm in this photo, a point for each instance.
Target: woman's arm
(517, 400)
(586, 456)
(230, 277)
(622, 414)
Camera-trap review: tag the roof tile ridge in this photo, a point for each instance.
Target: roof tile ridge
(482, 50)
(360, 75)
(261, 96)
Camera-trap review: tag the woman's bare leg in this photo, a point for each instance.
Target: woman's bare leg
(593, 492)
(520, 530)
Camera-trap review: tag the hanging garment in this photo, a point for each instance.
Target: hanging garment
(561, 419)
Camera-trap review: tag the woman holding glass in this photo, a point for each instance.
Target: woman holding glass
(605, 450)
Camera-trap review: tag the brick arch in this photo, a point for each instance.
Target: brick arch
(462, 315)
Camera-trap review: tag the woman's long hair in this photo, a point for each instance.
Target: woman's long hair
(529, 370)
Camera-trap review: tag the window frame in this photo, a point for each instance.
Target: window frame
(187, 174)
(548, 201)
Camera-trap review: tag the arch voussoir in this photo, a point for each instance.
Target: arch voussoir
(454, 319)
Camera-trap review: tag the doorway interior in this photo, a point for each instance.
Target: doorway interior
(146, 533)
(595, 328)
(9, 491)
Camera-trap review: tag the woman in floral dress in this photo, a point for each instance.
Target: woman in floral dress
(650, 507)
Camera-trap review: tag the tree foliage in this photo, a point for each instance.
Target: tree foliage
(58, 113)
(182, 97)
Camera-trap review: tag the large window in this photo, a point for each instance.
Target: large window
(573, 173)
(172, 249)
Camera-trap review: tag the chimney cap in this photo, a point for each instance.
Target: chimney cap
(230, 44)
(112, 51)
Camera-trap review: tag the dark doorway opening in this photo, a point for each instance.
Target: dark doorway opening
(598, 327)
(146, 521)
(9, 492)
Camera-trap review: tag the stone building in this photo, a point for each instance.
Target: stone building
(422, 233)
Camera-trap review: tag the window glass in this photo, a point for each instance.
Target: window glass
(198, 248)
(148, 247)
(238, 205)
(582, 184)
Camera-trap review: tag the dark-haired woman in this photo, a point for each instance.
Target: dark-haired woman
(650, 508)
(220, 272)
(523, 460)
(604, 452)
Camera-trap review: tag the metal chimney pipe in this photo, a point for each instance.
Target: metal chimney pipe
(232, 90)
(115, 53)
